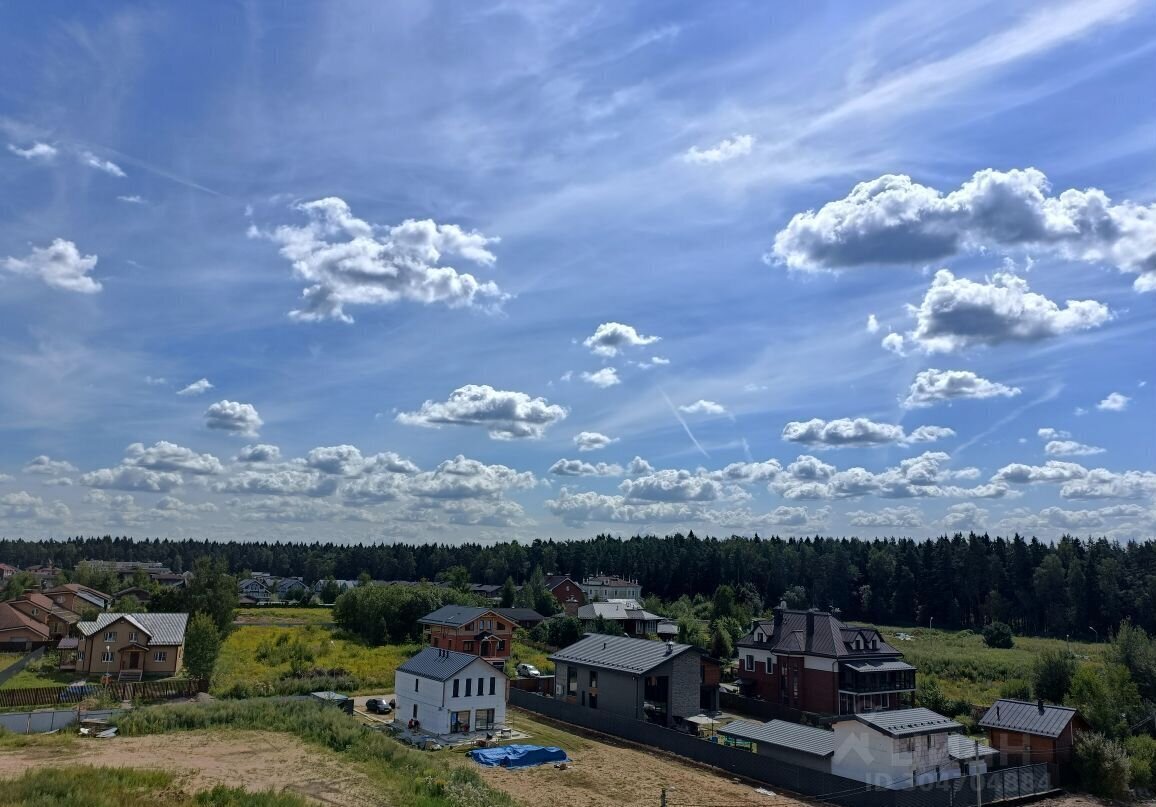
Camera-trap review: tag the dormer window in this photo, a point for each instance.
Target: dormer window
(858, 642)
(875, 644)
(761, 637)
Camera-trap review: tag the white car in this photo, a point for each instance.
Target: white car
(528, 671)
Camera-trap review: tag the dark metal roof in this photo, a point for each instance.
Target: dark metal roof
(829, 637)
(963, 748)
(438, 664)
(620, 653)
(794, 736)
(520, 614)
(1031, 718)
(908, 722)
(453, 616)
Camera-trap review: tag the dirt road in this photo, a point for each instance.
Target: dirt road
(254, 760)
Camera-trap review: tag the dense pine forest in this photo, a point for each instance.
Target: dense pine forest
(1073, 587)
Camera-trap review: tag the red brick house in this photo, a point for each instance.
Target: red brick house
(568, 593)
(468, 629)
(811, 661)
(56, 618)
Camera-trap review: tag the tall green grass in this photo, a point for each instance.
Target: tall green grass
(72, 785)
(406, 776)
(967, 669)
(255, 662)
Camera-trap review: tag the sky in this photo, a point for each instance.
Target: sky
(431, 271)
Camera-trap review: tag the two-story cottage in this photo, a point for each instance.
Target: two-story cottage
(469, 629)
(629, 614)
(78, 598)
(56, 618)
(662, 682)
(16, 627)
(608, 587)
(810, 661)
(446, 692)
(291, 588)
(254, 589)
(897, 749)
(131, 645)
(568, 593)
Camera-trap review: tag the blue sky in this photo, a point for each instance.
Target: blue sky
(432, 271)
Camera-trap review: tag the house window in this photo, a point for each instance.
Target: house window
(750, 662)
(484, 719)
(500, 626)
(492, 684)
(106, 657)
(501, 645)
(110, 636)
(572, 681)
(161, 655)
(35, 611)
(415, 711)
(80, 655)
(469, 626)
(481, 685)
(594, 679)
(929, 741)
(593, 700)
(416, 683)
(456, 682)
(132, 636)
(761, 637)
(469, 687)
(468, 647)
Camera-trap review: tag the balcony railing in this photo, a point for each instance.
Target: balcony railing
(864, 683)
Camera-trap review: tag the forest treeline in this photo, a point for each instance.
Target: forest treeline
(1072, 587)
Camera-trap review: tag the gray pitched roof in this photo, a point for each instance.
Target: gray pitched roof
(879, 666)
(1025, 716)
(830, 637)
(963, 748)
(619, 653)
(794, 736)
(908, 722)
(617, 610)
(438, 664)
(520, 614)
(453, 616)
(162, 629)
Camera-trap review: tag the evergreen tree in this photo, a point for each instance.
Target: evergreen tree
(202, 644)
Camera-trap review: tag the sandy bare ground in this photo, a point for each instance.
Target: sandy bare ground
(623, 775)
(254, 760)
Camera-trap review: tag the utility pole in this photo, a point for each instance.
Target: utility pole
(662, 802)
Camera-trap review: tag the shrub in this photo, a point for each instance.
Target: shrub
(930, 696)
(1102, 765)
(1142, 760)
(998, 634)
(1017, 689)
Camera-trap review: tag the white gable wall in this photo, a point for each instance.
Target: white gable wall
(435, 701)
(867, 755)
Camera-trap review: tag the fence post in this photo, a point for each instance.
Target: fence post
(662, 801)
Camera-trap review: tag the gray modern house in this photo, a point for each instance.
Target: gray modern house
(661, 682)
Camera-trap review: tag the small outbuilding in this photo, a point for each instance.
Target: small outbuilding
(1023, 732)
(805, 746)
(342, 702)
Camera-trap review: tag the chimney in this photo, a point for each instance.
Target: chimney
(779, 619)
(997, 711)
(810, 623)
(1040, 704)
(669, 647)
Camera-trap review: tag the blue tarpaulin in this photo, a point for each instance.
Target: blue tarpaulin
(517, 756)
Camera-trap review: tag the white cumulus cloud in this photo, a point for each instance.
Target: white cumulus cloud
(858, 432)
(592, 441)
(231, 416)
(166, 456)
(37, 151)
(100, 164)
(505, 414)
(60, 265)
(1115, 402)
(606, 377)
(1070, 448)
(610, 338)
(933, 386)
(703, 407)
(893, 219)
(583, 468)
(348, 261)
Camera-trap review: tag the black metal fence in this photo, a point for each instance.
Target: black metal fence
(997, 785)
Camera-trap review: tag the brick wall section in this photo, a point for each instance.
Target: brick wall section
(685, 683)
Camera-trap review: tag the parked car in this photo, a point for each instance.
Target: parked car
(528, 671)
(378, 706)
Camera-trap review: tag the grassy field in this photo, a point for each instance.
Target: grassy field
(966, 668)
(7, 660)
(41, 673)
(260, 660)
(113, 787)
(284, 615)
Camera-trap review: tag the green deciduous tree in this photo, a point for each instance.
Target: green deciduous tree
(1106, 696)
(998, 634)
(1052, 675)
(1102, 764)
(202, 644)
